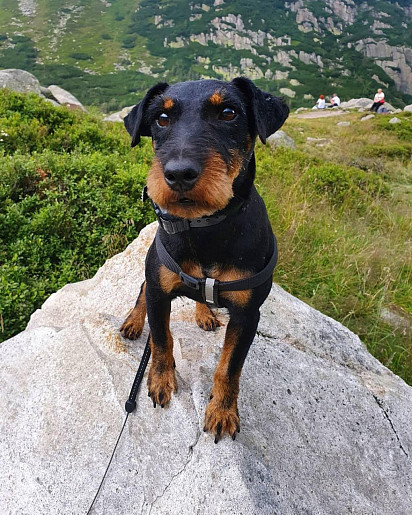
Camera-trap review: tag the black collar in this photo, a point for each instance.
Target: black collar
(174, 224)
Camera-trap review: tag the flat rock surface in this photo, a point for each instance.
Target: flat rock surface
(326, 429)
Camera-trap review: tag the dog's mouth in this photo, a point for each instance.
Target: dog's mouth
(184, 201)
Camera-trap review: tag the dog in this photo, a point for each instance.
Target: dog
(214, 237)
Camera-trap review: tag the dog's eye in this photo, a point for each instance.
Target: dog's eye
(163, 120)
(227, 114)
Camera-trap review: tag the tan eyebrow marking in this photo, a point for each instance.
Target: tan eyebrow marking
(168, 103)
(216, 98)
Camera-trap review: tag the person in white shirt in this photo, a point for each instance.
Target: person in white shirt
(320, 103)
(335, 101)
(378, 100)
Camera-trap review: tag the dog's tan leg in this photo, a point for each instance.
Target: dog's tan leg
(221, 413)
(133, 325)
(205, 318)
(161, 380)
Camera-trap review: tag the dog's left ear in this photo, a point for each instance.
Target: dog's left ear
(135, 121)
(267, 111)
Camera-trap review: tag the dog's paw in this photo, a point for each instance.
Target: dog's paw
(206, 319)
(220, 420)
(132, 327)
(161, 386)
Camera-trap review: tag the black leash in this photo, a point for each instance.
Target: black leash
(130, 406)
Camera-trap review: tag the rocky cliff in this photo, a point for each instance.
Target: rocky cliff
(325, 427)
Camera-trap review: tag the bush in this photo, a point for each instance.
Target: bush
(64, 209)
(129, 42)
(29, 124)
(81, 56)
(392, 151)
(344, 185)
(402, 130)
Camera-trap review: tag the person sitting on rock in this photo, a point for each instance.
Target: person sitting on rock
(378, 100)
(334, 101)
(320, 103)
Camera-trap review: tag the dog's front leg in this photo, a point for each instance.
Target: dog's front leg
(133, 325)
(221, 413)
(161, 381)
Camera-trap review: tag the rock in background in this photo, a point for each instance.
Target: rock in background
(281, 139)
(118, 117)
(325, 427)
(363, 103)
(63, 97)
(20, 81)
(24, 82)
(353, 103)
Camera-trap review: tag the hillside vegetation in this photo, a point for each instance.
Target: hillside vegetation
(70, 198)
(107, 53)
(342, 214)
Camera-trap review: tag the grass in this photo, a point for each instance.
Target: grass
(342, 215)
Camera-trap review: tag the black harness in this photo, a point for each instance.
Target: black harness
(209, 288)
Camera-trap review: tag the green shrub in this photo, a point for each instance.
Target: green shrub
(392, 151)
(81, 56)
(402, 130)
(70, 191)
(30, 124)
(129, 42)
(344, 185)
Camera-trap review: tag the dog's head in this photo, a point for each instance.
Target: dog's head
(203, 136)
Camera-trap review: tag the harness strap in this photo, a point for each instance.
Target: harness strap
(210, 288)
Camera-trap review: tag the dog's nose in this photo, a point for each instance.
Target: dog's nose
(181, 174)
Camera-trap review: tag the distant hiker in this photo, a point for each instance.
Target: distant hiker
(334, 101)
(320, 103)
(378, 100)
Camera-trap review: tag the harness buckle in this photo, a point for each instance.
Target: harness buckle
(174, 226)
(209, 290)
(189, 281)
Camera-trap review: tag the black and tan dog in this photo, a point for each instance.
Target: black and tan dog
(212, 224)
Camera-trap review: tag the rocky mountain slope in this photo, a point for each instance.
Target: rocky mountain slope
(105, 50)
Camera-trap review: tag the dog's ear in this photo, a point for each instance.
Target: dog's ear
(268, 113)
(135, 122)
